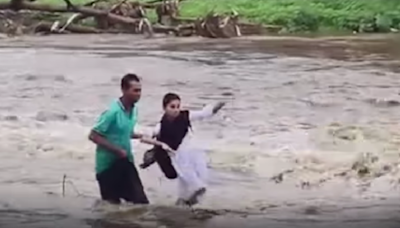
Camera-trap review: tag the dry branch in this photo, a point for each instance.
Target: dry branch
(87, 11)
(48, 27)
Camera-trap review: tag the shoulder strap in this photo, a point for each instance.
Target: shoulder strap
(187, 117)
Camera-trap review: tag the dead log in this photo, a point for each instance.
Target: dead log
(125, 9)
(166, 29)
(81, 17)
(153, 1)
(10, 27)
(16, 4)
(121, 8)
(154, 4)
(47, 28)
(127, 21)
(34, 7)
(87, 11)
(218, 26)
(99, 13)
(167, 11)
(4, 5)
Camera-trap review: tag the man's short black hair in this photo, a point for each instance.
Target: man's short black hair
(127, 78)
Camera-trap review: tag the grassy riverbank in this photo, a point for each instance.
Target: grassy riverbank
(308, 15)
(301, 15)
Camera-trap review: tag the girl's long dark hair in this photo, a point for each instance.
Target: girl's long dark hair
(169, 97)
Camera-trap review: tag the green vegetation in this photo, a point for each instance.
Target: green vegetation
(301, 15)
(308, 15)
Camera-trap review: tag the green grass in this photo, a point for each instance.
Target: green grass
(301, 15)
(307, 15)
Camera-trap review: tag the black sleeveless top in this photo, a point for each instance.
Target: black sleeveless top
(172, 132)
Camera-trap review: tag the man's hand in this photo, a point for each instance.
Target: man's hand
(157, 143)
(137, 136)
(167, 148)
(122, 153)
(101, 141)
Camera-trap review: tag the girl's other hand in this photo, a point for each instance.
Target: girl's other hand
(218, 106)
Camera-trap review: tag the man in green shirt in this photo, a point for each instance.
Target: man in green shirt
(115, 170)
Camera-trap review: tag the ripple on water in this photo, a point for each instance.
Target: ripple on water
(36, 77)
(385, 103)
(14, 217)
(45, 116)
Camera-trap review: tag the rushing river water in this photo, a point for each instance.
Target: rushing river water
(310, 135)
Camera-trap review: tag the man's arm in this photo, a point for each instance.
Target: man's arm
(155, 142)
(100, 129)
(100, 140)
(136, 135)
(206, 112)
(150, 141)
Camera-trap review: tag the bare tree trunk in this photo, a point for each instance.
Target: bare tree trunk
(86, 11)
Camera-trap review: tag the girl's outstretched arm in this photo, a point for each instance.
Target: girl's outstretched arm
(206, 112)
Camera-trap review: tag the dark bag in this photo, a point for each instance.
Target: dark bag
(156, 154)
(149, 158)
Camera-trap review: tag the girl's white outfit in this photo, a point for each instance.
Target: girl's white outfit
(190, 161)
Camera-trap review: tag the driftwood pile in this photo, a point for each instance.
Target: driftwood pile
(119, 16)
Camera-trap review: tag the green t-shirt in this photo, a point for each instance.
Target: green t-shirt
(117, 126)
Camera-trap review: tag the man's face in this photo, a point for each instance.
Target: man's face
(134, 92)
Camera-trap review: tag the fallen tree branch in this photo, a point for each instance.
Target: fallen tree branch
(54, 28)
(69, 8)
(99, 13)
(16, 4)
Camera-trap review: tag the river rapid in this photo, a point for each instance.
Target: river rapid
(310, 134)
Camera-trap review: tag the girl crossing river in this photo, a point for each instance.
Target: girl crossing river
(176, 153)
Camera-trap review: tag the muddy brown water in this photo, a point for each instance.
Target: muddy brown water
(309, 137)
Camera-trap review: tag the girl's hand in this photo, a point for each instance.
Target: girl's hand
(218, 106)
